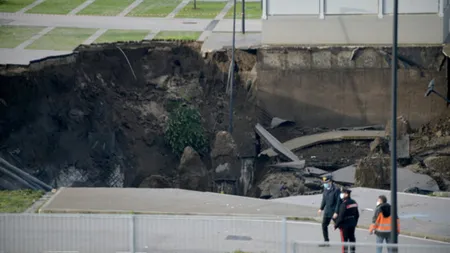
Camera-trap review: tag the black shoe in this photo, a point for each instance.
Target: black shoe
(325, 244)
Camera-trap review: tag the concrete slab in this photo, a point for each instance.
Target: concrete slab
(405, 179)
(315, 171)
(24, 56)
(251, 25)
(314, 139)
(170, 201)
(275, 144)
(218, 41)
(419, 214)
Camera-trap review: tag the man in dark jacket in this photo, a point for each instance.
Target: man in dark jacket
(347, 220)
(381, 224)
(329, 206)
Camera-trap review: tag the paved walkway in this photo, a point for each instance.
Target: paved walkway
(209, 28)
(419, 214)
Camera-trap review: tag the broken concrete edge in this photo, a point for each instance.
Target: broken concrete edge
(440, 194)
(56, 193)
(340, 137)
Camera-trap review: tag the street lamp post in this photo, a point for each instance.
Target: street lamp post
(394, 235)
(230, 126)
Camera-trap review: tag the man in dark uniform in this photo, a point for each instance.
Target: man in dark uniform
(347, 219)
(329, 206)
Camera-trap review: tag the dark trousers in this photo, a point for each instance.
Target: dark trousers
(325, 222)
(348, 235)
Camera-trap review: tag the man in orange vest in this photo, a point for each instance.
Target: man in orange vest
(381, 224)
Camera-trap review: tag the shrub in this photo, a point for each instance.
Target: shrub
(184, 129)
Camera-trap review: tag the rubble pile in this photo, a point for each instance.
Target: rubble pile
(373, 171)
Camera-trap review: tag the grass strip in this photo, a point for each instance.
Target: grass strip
(207, 10)
(62, 38)
(56, 6)
(18, 201)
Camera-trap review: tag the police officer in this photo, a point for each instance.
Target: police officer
(347, 219)
(329, 206)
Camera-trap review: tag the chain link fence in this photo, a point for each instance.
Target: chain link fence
(72, 233)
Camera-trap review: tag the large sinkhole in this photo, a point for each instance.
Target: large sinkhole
(99, 117)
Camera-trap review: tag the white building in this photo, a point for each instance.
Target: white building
(344, 22)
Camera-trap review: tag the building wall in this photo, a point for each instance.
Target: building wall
(353, 21)
(340, 86)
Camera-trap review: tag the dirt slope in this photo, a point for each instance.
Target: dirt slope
(90, 122)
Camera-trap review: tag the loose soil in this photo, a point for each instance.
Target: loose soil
(91, 123)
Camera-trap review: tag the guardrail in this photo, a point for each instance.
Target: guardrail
(321, 8)
(103, 233)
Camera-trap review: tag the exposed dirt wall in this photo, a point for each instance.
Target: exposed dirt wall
(341, 86)
(85, 120)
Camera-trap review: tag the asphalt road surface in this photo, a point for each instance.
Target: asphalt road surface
(112, 233)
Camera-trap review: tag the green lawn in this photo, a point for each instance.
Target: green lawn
(18, 201)
(62, 39)
(56, 6)
(204, 10)
(14, 5)
(154, 8)
(252, 11)
(122, 35)
(12, 36)
(175, 35)
(105, 7)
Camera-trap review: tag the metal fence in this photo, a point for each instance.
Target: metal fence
(72, 233)
(351, 7)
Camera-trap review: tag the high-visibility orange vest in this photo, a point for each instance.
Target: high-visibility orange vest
(383, 224)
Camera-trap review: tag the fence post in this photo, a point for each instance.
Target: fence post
(132, 234)
(284, 235)
(380, 8)
(264, 8)
(441, 8)
(322, 9)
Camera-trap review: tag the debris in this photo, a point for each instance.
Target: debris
(294, 165)
(345, 175)
(373, 171)
(281, 184)
(310, 140)
(374, 127)
(315, 171)
(272, 141)
(225, 161)
(276, 122)
(192, 173)
(403, 127)
(402, 147)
